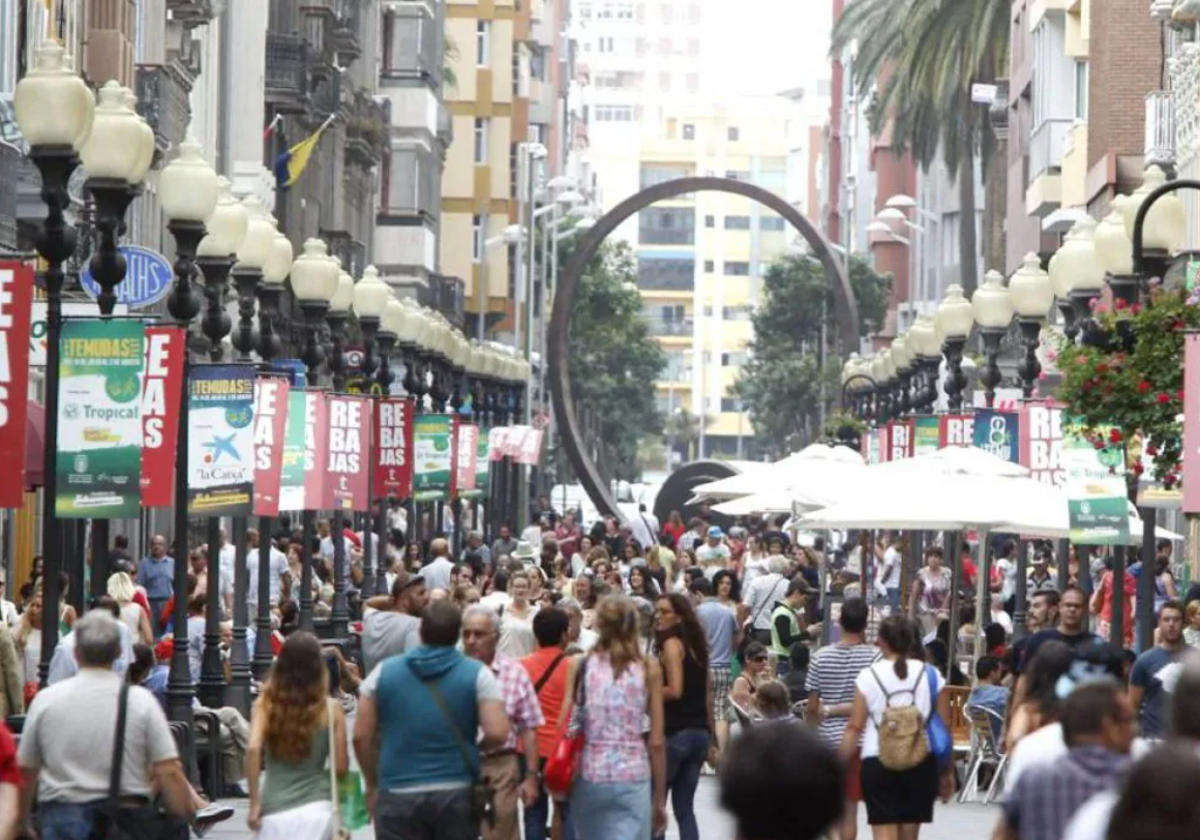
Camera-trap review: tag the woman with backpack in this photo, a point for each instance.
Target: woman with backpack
(894, 700)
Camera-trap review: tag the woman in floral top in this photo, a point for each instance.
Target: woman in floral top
(931, 590)
(620, 790)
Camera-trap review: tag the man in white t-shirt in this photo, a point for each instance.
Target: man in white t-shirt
(887, 576)
(279, 577)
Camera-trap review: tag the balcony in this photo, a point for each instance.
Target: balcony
(163, 103)
(286, 79)
(344, 36)
(446, 295)
(367, 131)
(194, 12)
(669, 328)
(1047, 145)
(327, 95)
(1160, 129)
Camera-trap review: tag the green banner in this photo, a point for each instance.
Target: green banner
(99, 441)
(926, 434)
(1097, 505)
(291, 481)
(432, 457)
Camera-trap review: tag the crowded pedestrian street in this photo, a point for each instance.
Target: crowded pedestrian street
(599, 419)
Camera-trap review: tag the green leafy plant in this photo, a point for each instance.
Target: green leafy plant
(1134, 383)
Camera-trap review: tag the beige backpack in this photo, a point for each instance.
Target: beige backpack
(903, 743)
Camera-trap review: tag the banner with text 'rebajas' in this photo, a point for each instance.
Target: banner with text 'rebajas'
(270, 425)
(16, 295)
(221, 440)
(99, 459)
(349, 420)
(162, 392)
(394, 447)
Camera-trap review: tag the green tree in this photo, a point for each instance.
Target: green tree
(613, 359)
(921, 58)
(781, 383)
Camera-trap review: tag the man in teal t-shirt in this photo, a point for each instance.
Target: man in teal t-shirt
(410, 745)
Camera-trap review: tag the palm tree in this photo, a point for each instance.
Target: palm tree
(683, 429)
(921, 58)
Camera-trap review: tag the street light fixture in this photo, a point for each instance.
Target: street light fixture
(993, 313)
(314, 283)
(1032, 295)
(187, 193)
(903, 357)
(924, 340)
(954, 321)
(1077, 275)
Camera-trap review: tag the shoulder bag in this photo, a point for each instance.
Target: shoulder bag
(563, 764)
(115, 821)
(545, 678)
(941, 743)
(482, 806)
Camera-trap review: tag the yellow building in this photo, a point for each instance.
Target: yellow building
(504, 60)
(701, 256)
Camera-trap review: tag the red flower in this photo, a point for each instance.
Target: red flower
(1152, 451)
(1120, 304)
(1143, 386)
(1136, 309)
(1179, 325)
(1115, 435)
(1088, 384)
(1138, 468)
(1169, 482)
(1098, 444)
(1101, 368)
(1163, 399)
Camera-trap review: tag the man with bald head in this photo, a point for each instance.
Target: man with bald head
(439, 568)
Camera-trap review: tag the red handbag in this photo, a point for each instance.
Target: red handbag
(563, 763)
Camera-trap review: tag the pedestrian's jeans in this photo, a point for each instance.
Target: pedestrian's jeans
(537, 815)
(431, 815)
(66, 820)
(686, 754)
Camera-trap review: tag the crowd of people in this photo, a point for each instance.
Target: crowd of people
(664, 651)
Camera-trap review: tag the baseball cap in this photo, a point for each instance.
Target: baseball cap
(716, 532)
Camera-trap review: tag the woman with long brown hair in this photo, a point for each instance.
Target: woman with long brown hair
(292, 731)
(687, 705)
(620, 789)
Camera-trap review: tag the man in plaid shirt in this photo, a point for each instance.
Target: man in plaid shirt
(1098, 724)
(481, 632)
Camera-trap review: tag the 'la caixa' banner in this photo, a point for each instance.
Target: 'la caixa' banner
(99, 443)
(221, 440)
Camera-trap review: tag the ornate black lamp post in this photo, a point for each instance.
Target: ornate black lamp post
(1077, 276)
(371, 296)
(1032, 295)
(954, 321)
(274, 273)
(993, 313)
(314, 283)
(188, 192)
(336, 317)
(55, 112)
(923, 341)
(215, 257)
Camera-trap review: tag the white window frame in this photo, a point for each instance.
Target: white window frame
(483, 43)
(481, 140)
(477, 239)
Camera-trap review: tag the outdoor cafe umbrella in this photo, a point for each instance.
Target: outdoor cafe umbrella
(809, 467)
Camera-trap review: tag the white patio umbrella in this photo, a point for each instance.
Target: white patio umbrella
(1052, 523)
(772, 501)
(811, 467)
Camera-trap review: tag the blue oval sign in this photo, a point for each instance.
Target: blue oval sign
(148, 278)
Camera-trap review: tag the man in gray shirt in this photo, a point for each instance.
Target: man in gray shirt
(437, 571)
(505, 545)
(721, 628)
(66, 748)
(394, 626)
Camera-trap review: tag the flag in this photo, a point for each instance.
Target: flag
(270, 129)
(290, 165)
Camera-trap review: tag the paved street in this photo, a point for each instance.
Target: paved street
(952, 822)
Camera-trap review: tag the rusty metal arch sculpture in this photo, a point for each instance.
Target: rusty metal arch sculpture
(564, 300)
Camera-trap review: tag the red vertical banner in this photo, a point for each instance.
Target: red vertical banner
(16, 303)
(162, 389)
(316, 443)
(1191, 423)
(956, 430)
(468, 451)
(530, 450)
(270, 422)
(1041, 438)
(899, 440)
(393, 448)
(349, 420)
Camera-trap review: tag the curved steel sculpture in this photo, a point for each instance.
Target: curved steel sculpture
(680, 486)
(564, 299)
